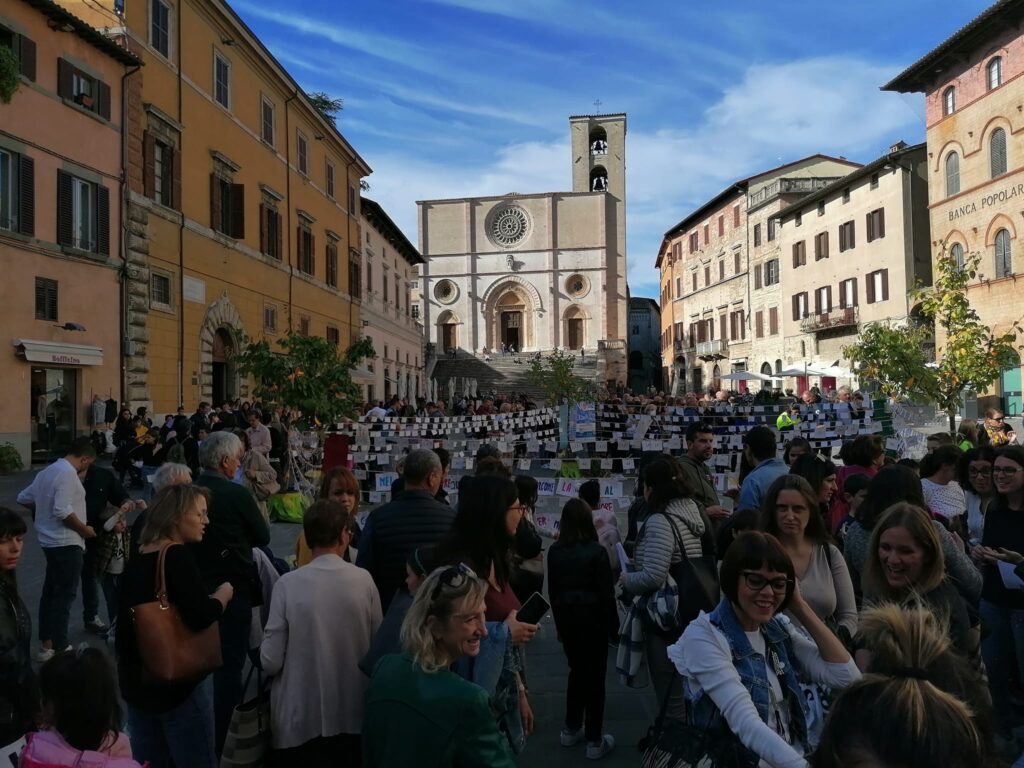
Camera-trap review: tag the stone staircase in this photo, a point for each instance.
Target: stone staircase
(499, 374)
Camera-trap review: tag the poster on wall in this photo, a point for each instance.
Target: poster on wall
(583, 422)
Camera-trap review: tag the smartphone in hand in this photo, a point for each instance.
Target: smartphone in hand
(534, 609)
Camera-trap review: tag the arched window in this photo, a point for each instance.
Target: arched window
(599, 179)
(598, 141)
(997, 152)
(1004, 256)
(949, 101)
(995, 73)
(952, 174)
(778, 367)
(956, 253)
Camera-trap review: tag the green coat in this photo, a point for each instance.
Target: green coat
(698, 477)
(438, 720)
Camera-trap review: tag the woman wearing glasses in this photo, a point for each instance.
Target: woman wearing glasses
(996, 432)
(741, 663)
(419, 712)
(1002, 609)
(976, 480)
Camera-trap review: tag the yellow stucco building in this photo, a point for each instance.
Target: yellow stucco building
(242, 207)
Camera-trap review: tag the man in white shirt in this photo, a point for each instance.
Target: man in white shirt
(57, 500)
(259, 434)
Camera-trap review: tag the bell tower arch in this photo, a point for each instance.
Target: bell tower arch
(599, 152)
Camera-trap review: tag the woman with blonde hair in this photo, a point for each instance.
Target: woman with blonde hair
(443, 715)
(918, 704)
(905, 564)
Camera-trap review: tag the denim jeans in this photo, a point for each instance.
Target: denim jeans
(60, 586)
(235, 625)
(178, 738)
(90, 584)
(1003, 651)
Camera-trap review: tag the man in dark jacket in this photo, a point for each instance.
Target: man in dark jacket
(225, 554)
(700, 445)
(414, 519)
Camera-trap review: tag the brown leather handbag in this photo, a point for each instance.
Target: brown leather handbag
(169, 650)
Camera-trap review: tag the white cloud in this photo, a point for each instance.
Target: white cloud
(775, 114)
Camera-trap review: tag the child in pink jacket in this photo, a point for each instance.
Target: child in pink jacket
(80, 705)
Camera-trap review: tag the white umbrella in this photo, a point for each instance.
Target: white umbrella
(747, 376)
(807, 369)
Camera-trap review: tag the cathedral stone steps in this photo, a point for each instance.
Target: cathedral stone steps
(500, 374)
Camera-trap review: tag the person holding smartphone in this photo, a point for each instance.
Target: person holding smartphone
(582, 593)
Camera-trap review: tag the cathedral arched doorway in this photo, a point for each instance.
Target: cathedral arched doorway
(448, 331)
(574, 321)
(511, 323)
(511, 309)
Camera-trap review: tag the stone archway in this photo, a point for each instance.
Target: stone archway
(219, 337)
(448, 331)
(574, 327)
(511, 308)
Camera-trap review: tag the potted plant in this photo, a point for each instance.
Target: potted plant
(10, 459)
(84, 100)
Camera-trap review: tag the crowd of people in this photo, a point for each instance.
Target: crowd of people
(824, 613)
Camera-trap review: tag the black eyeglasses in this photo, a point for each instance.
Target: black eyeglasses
(1005, 470)
(757, 582)
(454, 577)
(973, 472)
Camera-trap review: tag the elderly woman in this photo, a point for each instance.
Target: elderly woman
(741, 663)
(257, 474)
(317, 720)
(170, 723)
(443, 715)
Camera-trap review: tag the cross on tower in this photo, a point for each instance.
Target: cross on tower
(597, 106)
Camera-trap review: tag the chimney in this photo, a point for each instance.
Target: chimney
(897, 147)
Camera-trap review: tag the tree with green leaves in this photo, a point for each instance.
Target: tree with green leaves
(10, 74)
(325, 105)
(309, 374)
(554, 375)
(970, 359)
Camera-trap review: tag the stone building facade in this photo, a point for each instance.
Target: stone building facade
(644, 345)
(705, 262)
(850, 254)
(535, 271)
(242, 203)
(60, 228)
(973, 89)
(390, 264)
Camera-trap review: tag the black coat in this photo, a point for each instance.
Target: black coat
(18, 692)
(582, 589)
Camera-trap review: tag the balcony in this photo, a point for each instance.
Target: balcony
(785, 186)
(681, 345)
(713, 350)
(837, 318)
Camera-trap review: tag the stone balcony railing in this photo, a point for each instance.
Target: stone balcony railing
(837, 318)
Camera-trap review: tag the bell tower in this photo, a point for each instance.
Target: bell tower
(599, 154)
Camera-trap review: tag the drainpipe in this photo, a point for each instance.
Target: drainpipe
(287, 238)
(123, 274)
(181, 234)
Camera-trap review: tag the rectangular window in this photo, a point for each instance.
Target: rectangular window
(83, 89)
(800, 306)
(847, 236)
(773, 321)
(369, 277)
(271, 232)
(736, 262)
(848, 293)
(83, 214)
(693, 281)
(723, 328)
(384, 288)
(757, 235)
(163, 173)
(721, 225)
(736, 216)
(415, 311)
(821, 208)
(227, 207)
(823, 300)
(799, 254)
(269, 317)
(160, 27)
(721, 269)
(757, 276)
(332, 263)
(304, 326)
(694, 243)
(302, 154)
(83, 219)
(772, 225)
(679, 286)
(333, 336)
(821, 246)
(267, 120)
(160, 290)
(876, 224)
(877, 284)
(24, 50)
(329, 179)
(221, 80)
(355, 274)
(707, 234)
(307, 258)
(707, 275)
(46, 299)
(759, 324)
(771, 272)
(8, 206)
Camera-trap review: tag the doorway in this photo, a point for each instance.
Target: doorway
(511, 326)
(224, 383)
(574, 333)
(449, 340)
(54, 392)
(1010, 383)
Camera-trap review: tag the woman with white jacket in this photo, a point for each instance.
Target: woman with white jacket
(659, 547)
(742, 663)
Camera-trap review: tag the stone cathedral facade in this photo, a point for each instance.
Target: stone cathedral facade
(536, 271)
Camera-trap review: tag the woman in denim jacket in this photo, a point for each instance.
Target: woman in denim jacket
(742, 663)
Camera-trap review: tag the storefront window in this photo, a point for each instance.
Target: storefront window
(52, 405)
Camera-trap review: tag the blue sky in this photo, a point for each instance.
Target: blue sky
(452, 98)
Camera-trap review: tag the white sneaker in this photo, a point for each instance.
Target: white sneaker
(569, 738)
(96, 626)
(598, 749)
(45, 654)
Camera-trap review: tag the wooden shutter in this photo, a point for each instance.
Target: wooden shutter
(65, 74)
(27, 57)
(723, 327)
(885, 285)
(871, 226)
(759, 323)
(102, 220)
(175, 178)
(743, 324)
(842, 238)
(880, 226)
(103, 100)
(149, 165)
(796, 255)
(824, 245)
(264, 215)
(26, 195)
(773, 320)
(828, 298)
(853, 284)
(216, 215)
(280, 235)
(238, 211)
(852, 238)
(300, 256)
(65, 209)
(757, 276)
(736, 262)
(842, 294)
(796, 306)
(869, 284)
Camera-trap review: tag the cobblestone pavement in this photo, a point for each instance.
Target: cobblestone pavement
(627, 712)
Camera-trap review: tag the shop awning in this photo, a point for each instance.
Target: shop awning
(362, 376)
(55, 353)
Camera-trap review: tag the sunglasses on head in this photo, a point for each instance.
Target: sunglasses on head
(454, 577)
